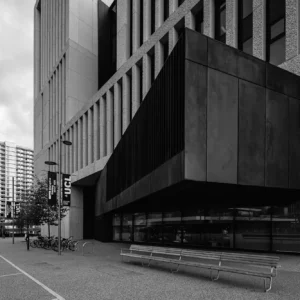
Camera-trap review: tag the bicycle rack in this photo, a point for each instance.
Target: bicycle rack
(86, 244)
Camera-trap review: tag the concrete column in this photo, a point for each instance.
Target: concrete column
(56, 30)
(71, 149)
(292, 28)
(173, 5)
(79, 144)
(67, 20)
(75, 218)
(59, 27)
(159, 13)
(46, 40)
(96, 133)
(147, 20)
(37, 52)
(189, 20)
(90, 146)
(102, 128)
(136, 86)
(259, 29)
(63, 154)
(53, 34)
(136, 25)
(146, 74)
(57, 102)
(50, 36)
(75, 147)
(126, 102)
(63, 24)
(232, 23)
(59, 93)
(117, 113)
(84, 140)
(42, 43)
(64, 91)
(209, 18)
(109, 122)
(159, 58)
(54, 105)
(123, 32)
(173, 38)
(50, 110)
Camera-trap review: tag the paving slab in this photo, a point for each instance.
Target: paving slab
(103, 275)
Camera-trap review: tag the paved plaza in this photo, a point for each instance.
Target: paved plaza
(43, 275)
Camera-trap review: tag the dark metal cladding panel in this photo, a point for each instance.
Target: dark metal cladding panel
(277, 139)
(282, 81)
(294, 143)
(196, 47)
(222, 57)
(156, 132)
(252, 112)
(195, 121)
(222, 127)
(251, 69)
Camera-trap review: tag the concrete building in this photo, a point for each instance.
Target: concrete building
(16, 164)
(168, 103)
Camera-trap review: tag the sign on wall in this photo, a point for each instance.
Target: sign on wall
(66, 189)
(52, 188)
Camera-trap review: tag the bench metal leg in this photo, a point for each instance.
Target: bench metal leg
(147, 264)
(175, 271)
(270, 285)
(216, 278)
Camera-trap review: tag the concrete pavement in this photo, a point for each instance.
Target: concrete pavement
(102, 275)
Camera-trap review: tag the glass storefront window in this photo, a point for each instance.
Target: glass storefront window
(116, 233)
(140, 228)
(253, 228)
(139, 219)
(191, 229)
(286, 228)
(126, 233)
(140, 233)
(127, 227)
(116, 220)
(154, 227)
(154, 218)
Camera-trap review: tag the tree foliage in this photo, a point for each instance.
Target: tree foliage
(35, 210)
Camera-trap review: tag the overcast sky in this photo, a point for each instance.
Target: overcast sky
(16, 71)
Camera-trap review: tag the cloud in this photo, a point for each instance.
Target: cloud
(16, 71)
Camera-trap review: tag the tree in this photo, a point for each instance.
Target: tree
(35, 209)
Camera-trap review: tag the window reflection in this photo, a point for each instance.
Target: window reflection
(252, 228)
(126, 227)
(140, 228)
(286, 228)
(154, 227)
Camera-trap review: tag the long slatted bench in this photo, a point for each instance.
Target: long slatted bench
(266, 266)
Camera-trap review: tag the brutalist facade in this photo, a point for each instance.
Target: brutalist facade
(211, 159)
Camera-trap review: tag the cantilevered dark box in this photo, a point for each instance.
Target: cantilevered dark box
(214, 120)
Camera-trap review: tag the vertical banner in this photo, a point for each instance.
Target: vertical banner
(66, 189)
(52, 188)
(17, 209)
(8, 210)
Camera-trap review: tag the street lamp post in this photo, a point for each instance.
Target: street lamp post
(67, 143)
